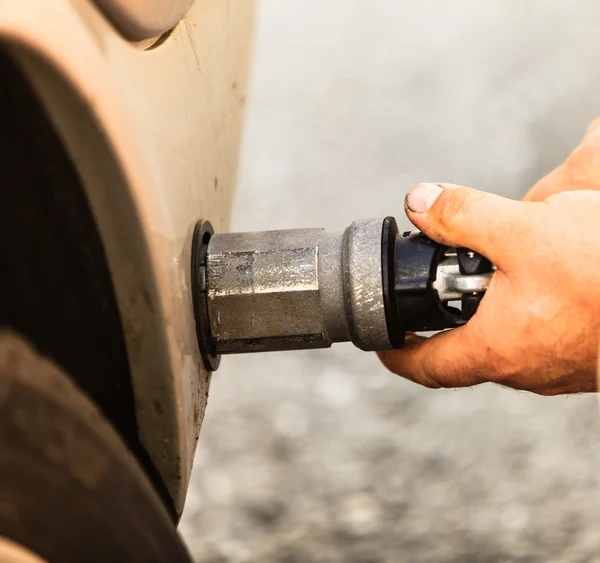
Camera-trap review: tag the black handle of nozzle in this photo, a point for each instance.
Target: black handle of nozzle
(410, 263)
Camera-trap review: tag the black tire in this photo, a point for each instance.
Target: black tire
(70, 491)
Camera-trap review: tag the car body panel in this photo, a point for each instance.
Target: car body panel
(154, 135)
(144, 19)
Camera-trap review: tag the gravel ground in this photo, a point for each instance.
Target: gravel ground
(323, 456)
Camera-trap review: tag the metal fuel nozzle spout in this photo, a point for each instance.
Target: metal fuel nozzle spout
(308, 288)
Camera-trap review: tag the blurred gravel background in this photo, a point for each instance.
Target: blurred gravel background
(323, 456)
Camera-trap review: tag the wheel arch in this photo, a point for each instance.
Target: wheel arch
(103, 185)
(153, 137)
(56, 285)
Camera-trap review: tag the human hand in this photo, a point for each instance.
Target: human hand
(580, 171)
(538, 326)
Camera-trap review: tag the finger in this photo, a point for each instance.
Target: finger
(550, 184)
(593, 131)
(579, 171)
(447, 359)
(457, 216)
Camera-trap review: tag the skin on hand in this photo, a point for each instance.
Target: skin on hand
(538, 326)
(581, 170)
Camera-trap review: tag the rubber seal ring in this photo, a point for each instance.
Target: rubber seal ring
(389, 232)
(202, 233)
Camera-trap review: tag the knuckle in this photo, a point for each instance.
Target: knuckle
(457, 208)
(428, 379)
(504, 369)
(449, 375)
(580, 170)
(451, 206)
(428, 374)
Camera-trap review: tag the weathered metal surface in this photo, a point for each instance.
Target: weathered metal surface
(452, 285)
(263, 291)
(363, 285)
(296, 289)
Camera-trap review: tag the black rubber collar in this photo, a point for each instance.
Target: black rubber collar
(206, 343)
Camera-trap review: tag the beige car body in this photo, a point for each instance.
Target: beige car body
(154, 130)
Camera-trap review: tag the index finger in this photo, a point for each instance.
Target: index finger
(447, 359)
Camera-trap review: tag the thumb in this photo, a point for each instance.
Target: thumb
(464, 217)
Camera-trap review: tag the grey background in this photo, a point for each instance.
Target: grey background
(323, 456)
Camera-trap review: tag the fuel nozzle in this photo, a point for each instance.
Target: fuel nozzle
(308, 288)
